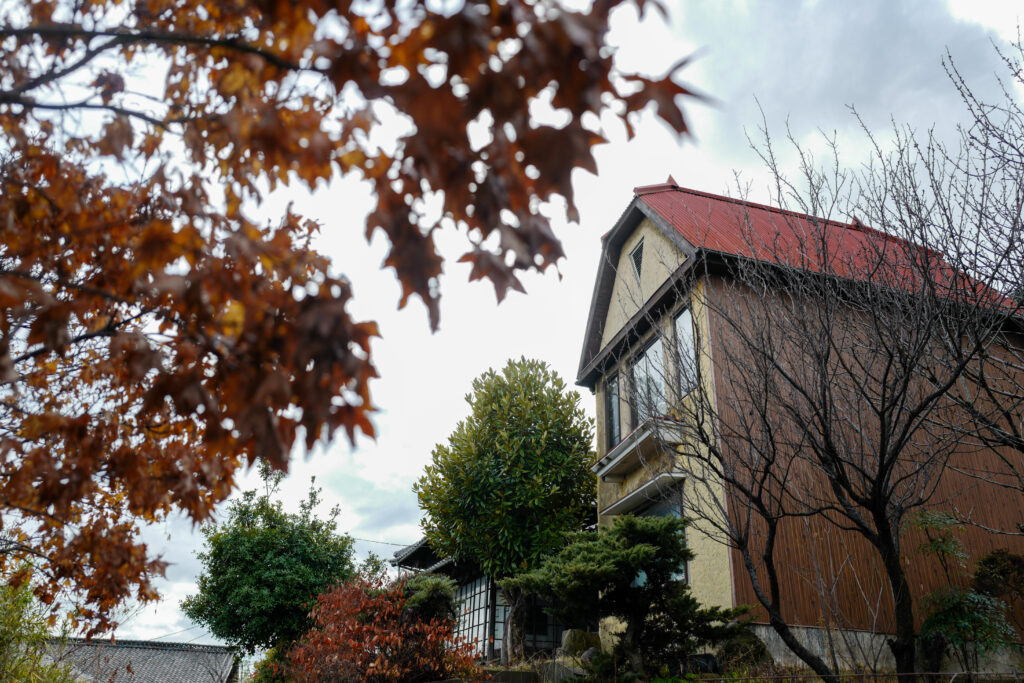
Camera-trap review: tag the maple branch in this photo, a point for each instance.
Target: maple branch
(127, 36)
(7, 503)
(6, 546)
(29, 103)
(89, 55)
(69, 284)
(105, 331)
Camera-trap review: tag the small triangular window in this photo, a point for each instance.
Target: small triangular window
(637, 258)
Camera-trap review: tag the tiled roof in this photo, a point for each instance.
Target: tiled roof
(419, 556)
(403, 553)
(145, 661)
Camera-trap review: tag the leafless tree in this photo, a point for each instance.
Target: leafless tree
(844, 377)
(992, 390)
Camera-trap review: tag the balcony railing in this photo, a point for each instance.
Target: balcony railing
(654, 436)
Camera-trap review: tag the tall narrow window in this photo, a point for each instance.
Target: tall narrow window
(686, 352)
(611, 410)
(648, 380)
(637, 258)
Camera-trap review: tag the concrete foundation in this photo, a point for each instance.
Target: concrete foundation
(863, 651)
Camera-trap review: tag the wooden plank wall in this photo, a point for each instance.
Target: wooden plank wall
(831, 576)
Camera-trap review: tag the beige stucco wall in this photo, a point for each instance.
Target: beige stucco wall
(660, 259)
(710, 571)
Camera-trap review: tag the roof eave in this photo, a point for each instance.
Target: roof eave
(638, 324)
(599, 302)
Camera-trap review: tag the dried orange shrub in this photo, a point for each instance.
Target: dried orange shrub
(153, 338)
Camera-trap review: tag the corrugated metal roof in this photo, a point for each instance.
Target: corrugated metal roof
(788, 238)
(774, 235)
(712, 224)
(145, 661)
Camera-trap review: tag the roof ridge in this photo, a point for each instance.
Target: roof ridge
(150, 644)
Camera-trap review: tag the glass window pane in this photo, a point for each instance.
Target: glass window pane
(686, 352)
(649, 384)
(670, 504)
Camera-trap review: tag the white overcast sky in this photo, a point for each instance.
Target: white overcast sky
(805, 63)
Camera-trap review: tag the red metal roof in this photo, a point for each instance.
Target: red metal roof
(767, 233)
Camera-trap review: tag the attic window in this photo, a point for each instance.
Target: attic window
(637, 258)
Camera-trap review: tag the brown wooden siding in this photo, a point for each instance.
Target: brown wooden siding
(831, 576)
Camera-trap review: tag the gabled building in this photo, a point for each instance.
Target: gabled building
(481, 609)
(652, 334)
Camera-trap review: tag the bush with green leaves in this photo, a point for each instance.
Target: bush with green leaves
(513, 479)
(971, 624)
(1001, 575)
(263, 569)
(430, 596)
(24, 634)
(743, 652)
(631, 571)
(960, 620)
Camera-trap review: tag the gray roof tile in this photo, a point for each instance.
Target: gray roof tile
(145, 661)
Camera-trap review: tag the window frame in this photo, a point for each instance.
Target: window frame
(612, 410)
(636, 258)
(684, 388)
(674, 497)
(635, 400)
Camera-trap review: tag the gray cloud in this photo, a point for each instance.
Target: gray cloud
(807, 62)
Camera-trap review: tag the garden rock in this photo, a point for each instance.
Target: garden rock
(743, 650)
(588, 655)
(575, 641)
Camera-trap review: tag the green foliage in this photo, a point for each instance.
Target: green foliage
(742, 651)
(606, 667)
(515, 476)
(1001, 575)
(430, 596)
(513, 479)
(630, 571)
(24, 632)
(270, 669)
(940, 530)
(966, 622)
(372, 568)
(971, 624)
(263, 568)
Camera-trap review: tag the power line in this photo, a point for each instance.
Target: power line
(369, 540)
(168, 635)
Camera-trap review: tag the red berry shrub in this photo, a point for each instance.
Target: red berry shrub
(364, 633)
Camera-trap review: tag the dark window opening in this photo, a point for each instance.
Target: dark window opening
(612, 418)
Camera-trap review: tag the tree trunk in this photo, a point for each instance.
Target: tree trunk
(770, 603)
(629, 641)
(513, 637)
(904, 645)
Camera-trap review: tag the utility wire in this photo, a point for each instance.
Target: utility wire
(168, 635)
(369, 540)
